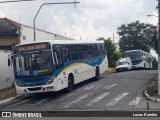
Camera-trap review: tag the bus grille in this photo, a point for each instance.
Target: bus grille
(34, 89)
(35, 80)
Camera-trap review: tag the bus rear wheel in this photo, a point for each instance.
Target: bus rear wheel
(144, 67)
(97, 77)
(70, 83)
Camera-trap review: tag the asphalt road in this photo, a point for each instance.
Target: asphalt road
(114, 91)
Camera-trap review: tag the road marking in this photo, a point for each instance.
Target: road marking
(77, 100)
(87, 87)
(98, 86)
(135, 101)
(108, 87)
(79, 88)
(7, 100)
(117, 99)
(66, 97)
(40, 101)
(97, 99)
(18, 103)
(90, 87)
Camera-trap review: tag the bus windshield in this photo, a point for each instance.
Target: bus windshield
(33, 64)
(134, 55)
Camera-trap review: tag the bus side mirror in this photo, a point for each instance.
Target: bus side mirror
(9, 61)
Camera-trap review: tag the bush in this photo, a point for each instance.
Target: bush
(155, 64)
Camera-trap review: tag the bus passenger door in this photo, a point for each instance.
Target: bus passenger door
(59, 66)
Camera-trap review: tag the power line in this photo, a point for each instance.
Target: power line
(16, 1)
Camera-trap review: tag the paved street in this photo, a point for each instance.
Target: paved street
(114, 91)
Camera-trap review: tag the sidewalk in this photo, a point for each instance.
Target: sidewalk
(151, 91)
(7, 93)
(150, 98)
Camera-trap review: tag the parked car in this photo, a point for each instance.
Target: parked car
(124, 64)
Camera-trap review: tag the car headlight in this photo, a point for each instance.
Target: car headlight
(19, 84)
(50, 80)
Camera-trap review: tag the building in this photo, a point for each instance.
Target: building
(12, 33)
(117, 46)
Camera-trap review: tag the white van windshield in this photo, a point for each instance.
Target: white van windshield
(122, 63)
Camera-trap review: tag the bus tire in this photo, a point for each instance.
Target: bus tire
(144, 67)
(97, 77)
(70, 83)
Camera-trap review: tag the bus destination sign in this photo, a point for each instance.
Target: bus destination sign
(32, 47)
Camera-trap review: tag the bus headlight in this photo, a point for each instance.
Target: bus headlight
(19, 84)
(50, 80)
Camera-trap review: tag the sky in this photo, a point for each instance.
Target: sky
(90, 19)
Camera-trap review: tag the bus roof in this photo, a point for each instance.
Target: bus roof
(65, 42)
(75, 41)
(136, 50)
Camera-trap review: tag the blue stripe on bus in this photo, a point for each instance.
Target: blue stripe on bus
(90, 61)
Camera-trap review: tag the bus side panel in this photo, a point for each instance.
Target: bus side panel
(59, 82)
(74, 69)
(77, 70)
(88, 71)
(104, 65)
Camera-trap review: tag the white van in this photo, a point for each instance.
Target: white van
(124, 64)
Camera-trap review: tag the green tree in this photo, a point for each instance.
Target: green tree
(116, 55)
(137, 35)
(110, 48)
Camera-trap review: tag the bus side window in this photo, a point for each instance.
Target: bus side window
(66, 53)
(98, 49)
(58, 56)
(81, 50)
(94, 51)
(74, 52)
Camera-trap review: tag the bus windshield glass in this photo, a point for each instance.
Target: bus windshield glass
(134, 55)
(33, 64)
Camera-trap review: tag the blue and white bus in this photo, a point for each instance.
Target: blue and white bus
(140, 59)
(55, 65)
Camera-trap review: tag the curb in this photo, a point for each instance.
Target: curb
(111, 70)
(9, 99)
(151, 98)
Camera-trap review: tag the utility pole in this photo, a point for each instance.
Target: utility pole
(113, 37)
(158, 7)
(44, 4)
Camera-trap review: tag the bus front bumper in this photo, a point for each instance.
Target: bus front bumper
(35, 89)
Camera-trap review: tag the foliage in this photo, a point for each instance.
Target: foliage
(112, 54)
(116, 55)
(155, 64)
(138, 35)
